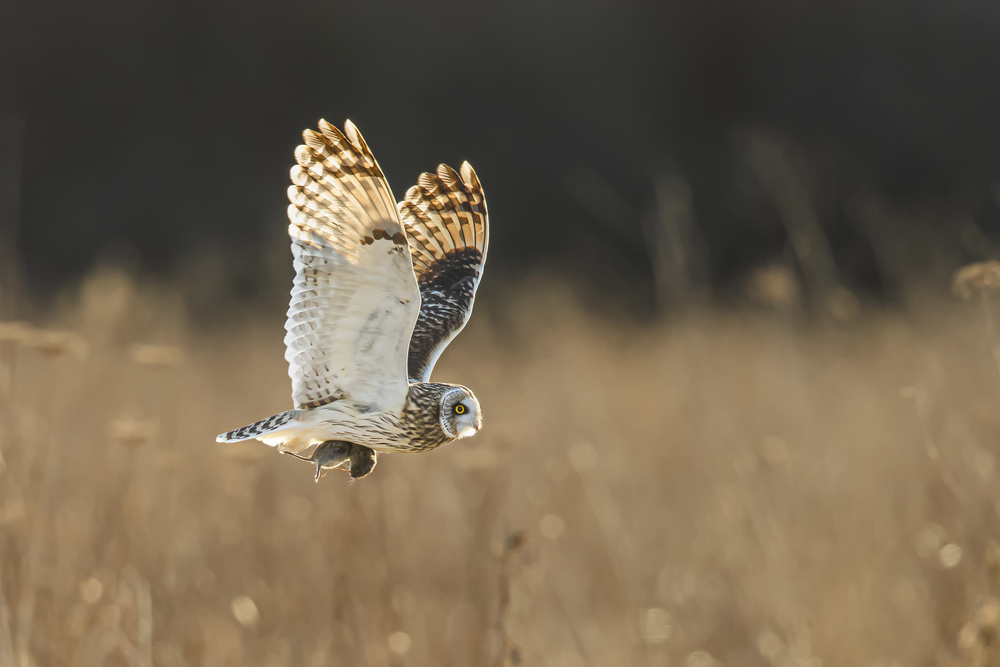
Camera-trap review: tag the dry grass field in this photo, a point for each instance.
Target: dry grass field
(746, 488)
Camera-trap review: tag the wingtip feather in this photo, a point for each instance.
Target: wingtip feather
(354, 136)
(469, 176)
(447, 175)
(427, 184)
(312, 139)
(332, 132)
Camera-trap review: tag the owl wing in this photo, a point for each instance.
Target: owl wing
(355, 298)
(447, 228)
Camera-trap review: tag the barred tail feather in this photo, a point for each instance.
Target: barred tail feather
(257, 429)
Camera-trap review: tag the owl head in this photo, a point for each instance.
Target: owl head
(460, 413)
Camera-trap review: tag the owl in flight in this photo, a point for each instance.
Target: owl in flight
(380, 290)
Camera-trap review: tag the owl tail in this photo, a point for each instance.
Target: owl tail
(257, 429)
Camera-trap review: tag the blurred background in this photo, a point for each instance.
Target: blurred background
(160, 131)
(738, 411)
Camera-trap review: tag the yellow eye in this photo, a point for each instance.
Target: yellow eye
(459, 409)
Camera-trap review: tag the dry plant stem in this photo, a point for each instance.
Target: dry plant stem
(792, 199)
(933, 451)
(12, 132)
(990, 328)
(26, 599)
(6, 636)
(7, 621)
(670, 235)
(8, 358)
(505, 646)
(142, 650)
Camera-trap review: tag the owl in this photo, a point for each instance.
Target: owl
(380, 291)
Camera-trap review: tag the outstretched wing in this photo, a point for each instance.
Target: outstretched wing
(446, 225)
(354, 300)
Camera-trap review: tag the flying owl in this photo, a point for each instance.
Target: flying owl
(380, 290)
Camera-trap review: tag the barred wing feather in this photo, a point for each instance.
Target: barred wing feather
(355, 299)
(448, 232)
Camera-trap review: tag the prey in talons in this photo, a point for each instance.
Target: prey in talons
(337, 454)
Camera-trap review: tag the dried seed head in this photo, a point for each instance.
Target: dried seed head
(988, 614)
(844, 305)
(969, 638)
(14, 333)
(400, 642)
(775, 286)
(515, 541)
(950, 555)
(992, 561)
(132, 432)
(245, 611)
(655, 625)
(91, 590)
(978, 277)
(55, 344)
(156, 356)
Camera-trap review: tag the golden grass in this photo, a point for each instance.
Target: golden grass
(731, 488)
